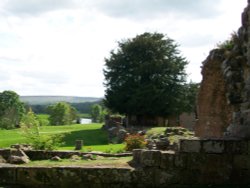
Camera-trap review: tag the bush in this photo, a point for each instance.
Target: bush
(43, 119)
(135, 142)
(47, 142)
(31, 130)
(230, 43)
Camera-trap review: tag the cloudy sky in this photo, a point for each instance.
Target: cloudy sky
(57, 47)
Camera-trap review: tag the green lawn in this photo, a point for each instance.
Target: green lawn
(93, 137)
(100, 161)
(43, 116)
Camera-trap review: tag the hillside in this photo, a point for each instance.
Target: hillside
(42, 100)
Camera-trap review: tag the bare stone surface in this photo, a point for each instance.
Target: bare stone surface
(2, 160)
(17, 160)
(55, 158)
(224, 97)
(213, 146)
(78, 144)
(150, 158)
(18, 157)
(190, 146)
(214, 113)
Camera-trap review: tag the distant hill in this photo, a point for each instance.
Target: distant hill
(43, 100)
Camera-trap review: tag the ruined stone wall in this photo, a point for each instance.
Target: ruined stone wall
(46, 155)
(224, 97)
(214, 113)
(237, 73)
(200, 163)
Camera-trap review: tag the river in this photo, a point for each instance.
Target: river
(85, 121)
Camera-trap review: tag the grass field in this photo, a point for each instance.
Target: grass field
(93, 137)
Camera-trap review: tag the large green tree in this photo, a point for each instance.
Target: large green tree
(190, 95)
(11, 110)
(62, 113)
(145, 76)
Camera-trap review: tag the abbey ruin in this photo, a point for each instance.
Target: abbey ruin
(221, 157)
(224, 97)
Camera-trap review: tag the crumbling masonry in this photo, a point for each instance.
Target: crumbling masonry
(224, 97)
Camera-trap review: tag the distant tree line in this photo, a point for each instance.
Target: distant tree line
(85, 107)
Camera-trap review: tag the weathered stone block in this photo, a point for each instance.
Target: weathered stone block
(144, 177)
(111, 175)
(213, 146)
(240, 177)
(5, 153)
(190, 146)
(188, 177)
(167, 160)
(195, 161)
(216, 169)
(78, 144)
(7, 175)
(241, 162)
(236, 146)
(180, 160)
(137, 156)
(151, 158)
(166, 178)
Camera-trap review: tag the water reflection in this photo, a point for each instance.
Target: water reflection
(85, 121)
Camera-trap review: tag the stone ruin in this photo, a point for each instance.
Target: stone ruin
(224, 97)
(221, 158)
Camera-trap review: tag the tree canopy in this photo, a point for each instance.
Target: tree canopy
(145, 76)
(191, 90)
(62, 113)
(11, 110)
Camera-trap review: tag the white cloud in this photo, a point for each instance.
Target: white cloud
(58, 47)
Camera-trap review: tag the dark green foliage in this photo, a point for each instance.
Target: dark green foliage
(11, 110)
(97, 113)
(145, 76)
(39, 108)
(31, 130)
(84, 107)
(62, 113)
(230, 43)
(190, 95)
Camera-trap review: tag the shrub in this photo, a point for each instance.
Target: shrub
(230, 43)
(43, 119)
(31, 130)
(47, 142)
(62, 113)
(135, 142)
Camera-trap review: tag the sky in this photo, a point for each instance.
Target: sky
(57, 47)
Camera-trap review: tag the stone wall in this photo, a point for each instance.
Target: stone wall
(204, 163)
(224, 97)
(45, 155)
(214, 113)
(237, 73)
(199, 162)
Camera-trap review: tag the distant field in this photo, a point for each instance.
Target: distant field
(41, 100)
(93, 137)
